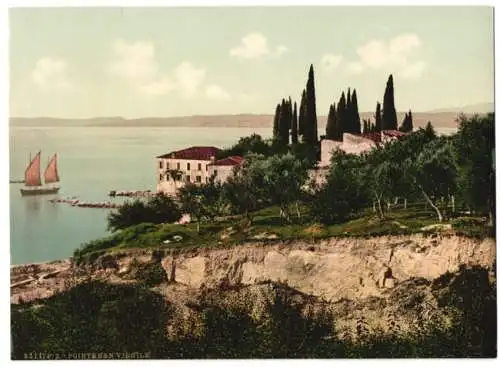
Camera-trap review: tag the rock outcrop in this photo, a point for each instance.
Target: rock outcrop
(334, 269)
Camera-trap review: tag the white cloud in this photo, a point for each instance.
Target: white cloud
(331, 62)
(414, 70)
(134, 61)
(158, 87)
(355, 67)
(252, 46)
(395, 56)
(216, 92)
(281, 49)
(51, 73)
(189, 78)
(247, 97)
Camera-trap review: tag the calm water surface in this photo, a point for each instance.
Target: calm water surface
(92, 161)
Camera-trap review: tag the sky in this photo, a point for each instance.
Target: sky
(163, 62)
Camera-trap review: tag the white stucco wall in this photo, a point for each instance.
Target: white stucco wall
(352, 144)
(170, 186)
(223, 172)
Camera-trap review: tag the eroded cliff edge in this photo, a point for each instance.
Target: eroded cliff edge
(333, 269)
(376, 279)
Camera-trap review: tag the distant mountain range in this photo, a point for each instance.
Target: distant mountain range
(473, 108)
(440, 118)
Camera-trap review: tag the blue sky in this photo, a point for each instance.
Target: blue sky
(85, 62)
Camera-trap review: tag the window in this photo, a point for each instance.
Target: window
(188, 178)
(161, 177)
(161, 164)
(206, 167)
(168, 165)
(215, 172)
(189, 166)
(198, 178)
(199, 166)
(167, 177)
(178, 166)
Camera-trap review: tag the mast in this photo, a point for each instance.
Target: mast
(51, 175)
(32, 173)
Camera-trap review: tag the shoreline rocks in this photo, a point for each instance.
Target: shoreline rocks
(138, 193)
(83, 204)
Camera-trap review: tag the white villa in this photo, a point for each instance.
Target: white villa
(351, 144)
(195, 165)
(223, 168)
(198, 164)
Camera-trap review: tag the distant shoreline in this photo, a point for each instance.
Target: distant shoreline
(420, 119)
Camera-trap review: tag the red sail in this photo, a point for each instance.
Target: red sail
(51, 174)
(32, 173)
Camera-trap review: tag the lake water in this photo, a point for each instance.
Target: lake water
(91, 162)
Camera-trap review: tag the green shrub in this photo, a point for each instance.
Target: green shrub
(92, 317)
(151, 274)
(158, 209)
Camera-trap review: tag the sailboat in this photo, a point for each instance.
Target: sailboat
(33, 182)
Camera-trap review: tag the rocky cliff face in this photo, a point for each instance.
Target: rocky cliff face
(335, 269)
(379, 281)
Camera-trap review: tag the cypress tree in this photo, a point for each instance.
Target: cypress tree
(276, 122)
(407, 125)
(284, 123)
(330, 124)
(295, 138)
(311, 128)
(355, 122)
(348, 126)
(302, 114)
(367, 126)
(404, 123)
(341, 117)
(337, 131)
(389, 118)
(378, 118)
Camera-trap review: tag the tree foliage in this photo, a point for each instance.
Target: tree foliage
(475, 144)
(246, 145)
(344, 191)
(310, 128)
(158, 209)
(244, 189)
(389, 118)
(354, 115)
(294, 131)
(283, 178)
(378, 118)
(407, 124)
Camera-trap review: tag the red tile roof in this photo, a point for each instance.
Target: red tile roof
(194, 153)
(234, 160)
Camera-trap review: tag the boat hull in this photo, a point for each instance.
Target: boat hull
(40, 191)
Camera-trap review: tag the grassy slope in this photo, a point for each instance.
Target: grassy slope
(267, 226)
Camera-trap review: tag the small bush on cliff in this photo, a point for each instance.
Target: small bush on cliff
(158, 209)
(150, 274)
